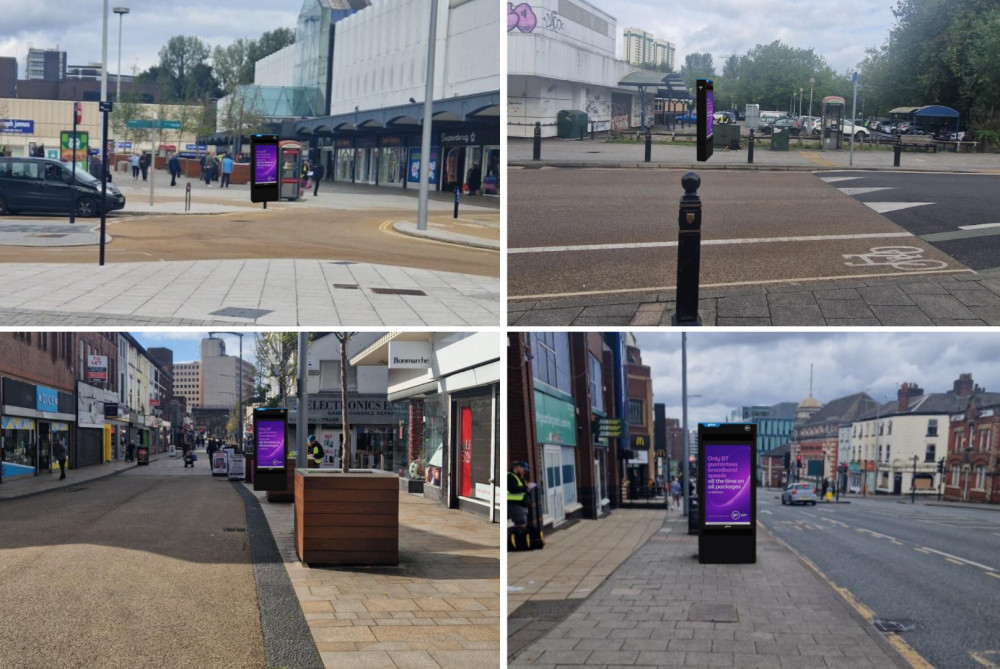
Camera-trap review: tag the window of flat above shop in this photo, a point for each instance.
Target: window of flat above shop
(596, 386)
(635, 414)
(550, 353)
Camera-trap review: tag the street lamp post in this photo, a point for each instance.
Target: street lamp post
(120, 11)
(913, 481)
(812, 80)
(240, 412)
(800, 100)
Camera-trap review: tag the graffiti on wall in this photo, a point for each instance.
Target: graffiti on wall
(524, 19)
(621, 111)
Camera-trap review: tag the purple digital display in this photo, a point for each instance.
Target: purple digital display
(709, 95)
(265, 169)
(728, 484)
(270, 444)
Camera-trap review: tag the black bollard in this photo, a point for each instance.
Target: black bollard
(895, 151)
(457, 191)
(592, 131)
(536, 152)
(688, 253)
(750, 150)
(649, 144)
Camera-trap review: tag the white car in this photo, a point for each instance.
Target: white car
(859, 131)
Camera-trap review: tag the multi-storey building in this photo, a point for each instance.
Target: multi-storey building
(972, 464)
(187, 382)
(642, 48)
(816, 439)
(640, 468)
(46, 65)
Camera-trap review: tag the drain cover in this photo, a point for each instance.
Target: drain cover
(893, 625)
(237, 312)
(713, 613)
(235, 529)
(346, 286)
(398, 291)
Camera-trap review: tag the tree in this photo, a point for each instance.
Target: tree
(276, 359)
(129, 108)
(233, 64)
(270, 42)
(345, 448)
(179, 59)
(731, 70)
(697, 66)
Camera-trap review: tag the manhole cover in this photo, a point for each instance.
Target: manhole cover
(893, 625)
(713, 613)
(237, 312)
(47, 235)
(398, 291)
(235, 529)
(346, 286)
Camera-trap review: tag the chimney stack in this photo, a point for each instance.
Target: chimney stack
(963, 385)
(907, 391)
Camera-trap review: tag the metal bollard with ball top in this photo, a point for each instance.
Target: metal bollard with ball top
(688, 253)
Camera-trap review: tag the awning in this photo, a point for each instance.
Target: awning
(936, 111)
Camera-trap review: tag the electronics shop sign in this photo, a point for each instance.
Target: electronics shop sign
(360, 411)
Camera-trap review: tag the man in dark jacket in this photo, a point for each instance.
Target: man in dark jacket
(317, 175)
(517, 493)
(59, 453)
(175, 169)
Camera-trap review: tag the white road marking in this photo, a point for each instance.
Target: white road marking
(704, 242)
(955, 557)
(831, 180)
(770, 513)
(732, 284)
(877, 534)
(884, 207)
(978, 226)
(836, 522)
(862, 191)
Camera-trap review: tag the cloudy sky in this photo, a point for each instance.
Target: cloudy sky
(838, 31)
(75, 26)
(186, 345)
(730, 370)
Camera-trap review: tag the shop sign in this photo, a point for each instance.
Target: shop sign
(17, 126)
(46, 399)
(458, 138)
(68, 145)
(111, 410)
(391, 140)
(97, 368)
(410, 355)
(343, 144)
(413, 176)
(555, 420)
(361, 410)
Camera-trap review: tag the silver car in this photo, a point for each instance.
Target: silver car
(799, 493)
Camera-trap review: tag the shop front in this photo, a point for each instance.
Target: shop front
(343, 160)
(32, 418)
(392, 161)
(365, 159)
(470, 160)
(94, 433)
(555, 425)
(372, 431)
(473, 432)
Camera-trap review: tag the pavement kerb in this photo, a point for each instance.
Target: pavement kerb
(70, 481)
(410, 228)
(563, 164)
(963, 505)
(901, 653)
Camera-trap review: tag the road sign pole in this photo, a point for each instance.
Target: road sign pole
(72, 174)
(104, 179)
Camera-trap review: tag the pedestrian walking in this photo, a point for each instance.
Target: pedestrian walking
(175, 169)
(675, 492)
(144, 165)
(59, 453)
(130, 451)
(317, 176)
(474, 179)
(206, 174)
(227, 170)
(201, 164)
(134, 162)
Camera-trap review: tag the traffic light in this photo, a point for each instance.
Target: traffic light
(798, 460)
(788, 460)
(941, 466)
(78, 112)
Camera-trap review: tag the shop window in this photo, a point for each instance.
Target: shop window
(474, 441)
(596, 387)
(550, 351)
(434, 437)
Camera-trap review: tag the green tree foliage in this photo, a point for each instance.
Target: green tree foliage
(179, 60)
(697, 66)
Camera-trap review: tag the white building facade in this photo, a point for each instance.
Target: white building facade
(561, 56)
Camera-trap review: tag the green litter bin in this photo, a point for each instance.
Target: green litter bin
(779, 140)
(723, 134)
(571, 124)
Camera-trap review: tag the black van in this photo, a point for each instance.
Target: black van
(44, 185)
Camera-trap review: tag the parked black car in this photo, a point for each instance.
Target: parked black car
(46, 184)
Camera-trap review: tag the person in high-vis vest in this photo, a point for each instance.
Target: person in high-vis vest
(517, 491)
(315, 451)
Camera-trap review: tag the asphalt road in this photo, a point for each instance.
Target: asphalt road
(957, 213)
(932, 567)
(598, 231)
(134, 570)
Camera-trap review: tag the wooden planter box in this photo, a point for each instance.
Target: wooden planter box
(288, 494)
(347, 518)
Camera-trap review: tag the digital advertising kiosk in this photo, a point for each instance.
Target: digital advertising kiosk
(270, 437)
(706, 107)
(727, 494)
(264, 168)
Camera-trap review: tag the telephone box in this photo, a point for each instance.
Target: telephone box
(290, 161)
(727, 494)
(270, 438)
(833, 122)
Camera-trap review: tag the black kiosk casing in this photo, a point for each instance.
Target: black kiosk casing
(265, 172)
(705, 108)
(727, 493)
(270, 444)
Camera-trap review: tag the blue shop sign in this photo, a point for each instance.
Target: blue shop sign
(46, 399)
(17, 126)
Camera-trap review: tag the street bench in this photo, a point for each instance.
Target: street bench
(956, 146)
(925, 142)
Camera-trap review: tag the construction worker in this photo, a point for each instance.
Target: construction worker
(517, 489)
(315, 451)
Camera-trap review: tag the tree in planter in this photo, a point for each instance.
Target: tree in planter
(345, 448)
(276, 361)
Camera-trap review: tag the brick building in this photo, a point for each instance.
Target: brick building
(972, 466)
(641, 467)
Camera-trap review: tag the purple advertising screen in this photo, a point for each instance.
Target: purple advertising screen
(709, 95)
(728, 484)
(265, 169)
(270, 444)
